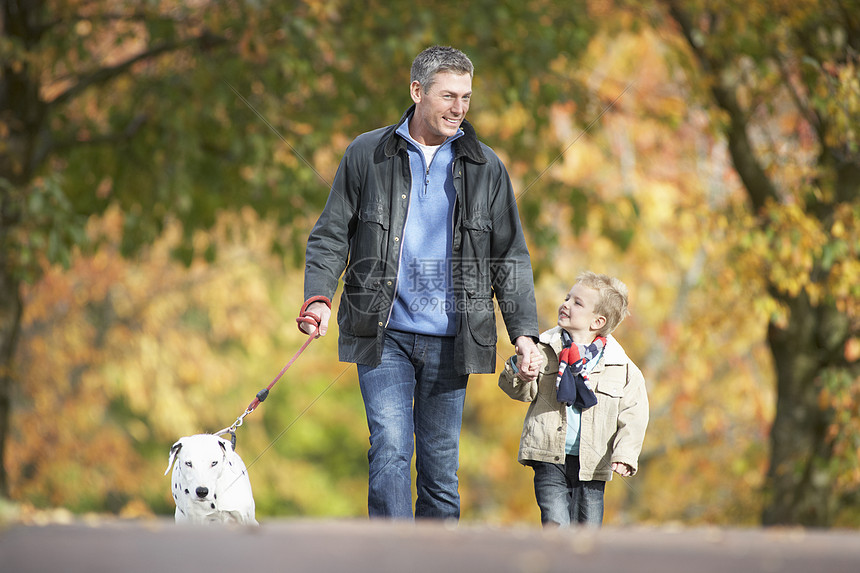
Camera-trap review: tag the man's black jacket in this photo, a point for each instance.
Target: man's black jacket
(358, 235)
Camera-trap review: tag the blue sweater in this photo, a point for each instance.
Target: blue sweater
(425, 302)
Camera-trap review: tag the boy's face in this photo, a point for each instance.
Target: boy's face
(576, 314)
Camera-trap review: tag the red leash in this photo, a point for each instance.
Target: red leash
(305, 317)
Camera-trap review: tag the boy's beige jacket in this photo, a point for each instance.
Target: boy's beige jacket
(611, 431)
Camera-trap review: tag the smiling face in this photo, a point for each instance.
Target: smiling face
(577, 315)
(441, 109)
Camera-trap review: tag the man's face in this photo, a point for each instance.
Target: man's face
(440, 110)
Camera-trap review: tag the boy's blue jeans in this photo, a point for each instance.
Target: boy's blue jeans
(563, 499)
(414, 392)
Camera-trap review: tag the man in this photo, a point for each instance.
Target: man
(422, 222)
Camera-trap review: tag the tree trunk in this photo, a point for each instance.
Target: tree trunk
(799, 486)
(10, 325)
(22, 114)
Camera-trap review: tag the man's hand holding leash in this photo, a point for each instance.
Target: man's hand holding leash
(315, 314)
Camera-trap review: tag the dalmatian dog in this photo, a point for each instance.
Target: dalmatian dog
(210, 482)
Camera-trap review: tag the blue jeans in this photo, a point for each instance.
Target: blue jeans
(413, 392)
(563, 499)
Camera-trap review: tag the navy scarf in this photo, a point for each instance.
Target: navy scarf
(572, 384)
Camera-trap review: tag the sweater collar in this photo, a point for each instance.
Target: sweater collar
(466, 146)
(402, 130)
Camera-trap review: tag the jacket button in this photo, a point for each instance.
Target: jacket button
(389, 283)
(557, 458)
(559, 429)
(403, 196)
(380, 323)
(396, 239)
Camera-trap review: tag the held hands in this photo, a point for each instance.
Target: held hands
(528, 358)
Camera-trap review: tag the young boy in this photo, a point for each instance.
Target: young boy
(589, 408)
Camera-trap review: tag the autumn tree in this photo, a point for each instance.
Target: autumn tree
(172, 112)
(142, 106)
(782, 82)
(62, 69)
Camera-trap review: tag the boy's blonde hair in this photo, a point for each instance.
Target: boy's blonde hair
(612, 299)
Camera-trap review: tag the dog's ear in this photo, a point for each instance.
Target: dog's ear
(227, 451)
(223, 443)
(174, 451)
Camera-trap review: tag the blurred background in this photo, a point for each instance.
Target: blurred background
(162, 162)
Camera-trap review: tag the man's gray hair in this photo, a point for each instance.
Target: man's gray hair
(437, 59)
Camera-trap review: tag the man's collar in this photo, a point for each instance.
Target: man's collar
(403, 131)
(466, 146)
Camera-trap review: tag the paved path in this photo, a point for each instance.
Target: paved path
(359, 546)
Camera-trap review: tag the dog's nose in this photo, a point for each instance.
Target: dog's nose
(202, 491)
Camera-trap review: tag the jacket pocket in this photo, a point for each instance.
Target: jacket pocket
(550, 361)
(609, 391)
(478, 223)
(371, 234)
(481, 318)
(477, 231)
(360, 309)
(611, 387)
(375, 212)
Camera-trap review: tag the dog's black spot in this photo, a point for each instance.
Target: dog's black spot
(216, 496)
(176, 497)
(186, 491)
(212, 505)
(176, 486)
(182, 511)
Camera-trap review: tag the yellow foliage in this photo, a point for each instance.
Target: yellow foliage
(120, 358)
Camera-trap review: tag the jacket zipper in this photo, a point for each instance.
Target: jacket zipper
(456, 200)
(400, 250)
(425, 185)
